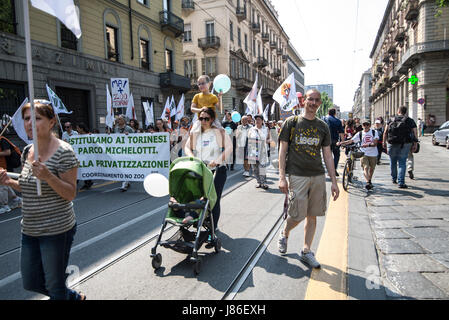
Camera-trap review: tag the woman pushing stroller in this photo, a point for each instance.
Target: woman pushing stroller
(214, 147)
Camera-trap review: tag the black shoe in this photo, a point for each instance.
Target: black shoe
(336, 174)
(411, 175)
(403, 186)
(395, 181)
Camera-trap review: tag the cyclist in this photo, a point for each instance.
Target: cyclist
(368, 139)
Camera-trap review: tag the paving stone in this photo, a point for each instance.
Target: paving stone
(439, 207)
(428, 223)
(415, 285)
(399, 246)
(391, 234)
(385, 202)
(410, 208)
(442, 258)
(434, 245)
(427, 232)
(394, 216)
(441, 280)
(378, 210)
(434, 214)
(391, 224)
(412, 263)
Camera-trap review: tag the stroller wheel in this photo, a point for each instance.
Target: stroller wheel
(157, 261)
(197, 267)
(217, 245)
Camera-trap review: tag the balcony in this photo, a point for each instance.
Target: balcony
(188, 6)
(412, 10)
(391, 47)
(243, 84)
(240, 13)
(277, 73)
(209, 43)
(255, 27)
(265, 37)
(173, 80)
(400, 34)
(279, 52)
(386, 58)
(411, 57)
(379, 68)
(171, 24)
(261, 63)
(284, 58)
(273, 45)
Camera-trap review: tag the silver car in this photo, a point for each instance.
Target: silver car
(441, 136)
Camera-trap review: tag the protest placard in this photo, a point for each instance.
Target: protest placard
(120, 92)
(120, 157)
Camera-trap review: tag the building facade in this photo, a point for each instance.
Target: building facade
(136, 39)
(410, 62)
(239, 38)
(328, 88)
(362, 104)
(295, 62)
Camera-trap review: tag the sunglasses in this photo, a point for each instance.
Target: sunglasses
(202, 83)
(204, 119)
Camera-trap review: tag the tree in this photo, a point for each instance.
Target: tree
(325, 105)
(440, 5)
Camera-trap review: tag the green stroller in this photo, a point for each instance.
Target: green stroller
(191, 184)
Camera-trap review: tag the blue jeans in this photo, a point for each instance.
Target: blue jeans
(398, 155)
(43, 263)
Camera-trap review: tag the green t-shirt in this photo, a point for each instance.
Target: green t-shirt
(304, 155)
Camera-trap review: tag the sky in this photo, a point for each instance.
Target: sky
(340, 33)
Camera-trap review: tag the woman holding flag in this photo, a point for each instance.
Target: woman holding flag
(48, 224)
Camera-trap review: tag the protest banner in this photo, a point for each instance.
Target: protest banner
(120, 157)
(120, 92)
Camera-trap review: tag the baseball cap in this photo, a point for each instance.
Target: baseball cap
(378, 121)
(366, 121)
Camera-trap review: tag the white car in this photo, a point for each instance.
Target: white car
(441, 136)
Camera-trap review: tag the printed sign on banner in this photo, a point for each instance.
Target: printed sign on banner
(120, 92)
(120, 157)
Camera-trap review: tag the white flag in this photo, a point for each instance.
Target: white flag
(130, 110)
(166, 110)
(56, 102)
(109, 110)
(19, 124)
(251, 99)
(149, 116)
(285, 95)
(64, 10)
(259, 104)
(265, 113)
(180, 109)
(273, 108)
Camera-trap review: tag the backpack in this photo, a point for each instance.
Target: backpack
(13, 160)
(399, 131)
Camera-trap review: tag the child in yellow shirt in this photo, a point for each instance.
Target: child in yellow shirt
(205, 100)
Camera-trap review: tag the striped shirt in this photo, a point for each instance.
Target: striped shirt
(48, 214)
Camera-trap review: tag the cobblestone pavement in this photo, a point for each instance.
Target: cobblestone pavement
(411, 226)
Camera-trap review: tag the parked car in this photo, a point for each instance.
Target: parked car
(441, 136)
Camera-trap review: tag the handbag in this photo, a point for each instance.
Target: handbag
(418, 147)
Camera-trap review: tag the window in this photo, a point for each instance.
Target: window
(112, 43)
(190, 69)
(233, 73)
(246, 42)
(209, 66)
(169, 60)
(68, 39)
(231, 28)
(210, 29)
(144, 2)
(187, 33)
(239, 37)
(145, 54)
(8, 16)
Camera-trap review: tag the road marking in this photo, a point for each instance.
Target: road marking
(96, 186)
(329, 282)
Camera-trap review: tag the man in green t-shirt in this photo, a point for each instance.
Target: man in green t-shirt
(304, 138)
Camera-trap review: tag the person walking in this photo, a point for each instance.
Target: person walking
(230, 127)
(48, 221)
(68, 132)
(380, 133)
(6, 193)
(304, 138)
(122, 127)
(212, 146)
(257, 151)
(399, 137)
(368, 139)
(81, 128)
(242, 144)
(337, 135)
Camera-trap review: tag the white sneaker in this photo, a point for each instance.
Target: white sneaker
(309, 259)
(282, 244)
(16, 203)
(246, 174)
(4, 209)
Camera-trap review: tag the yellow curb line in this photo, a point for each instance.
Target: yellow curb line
(329, 282)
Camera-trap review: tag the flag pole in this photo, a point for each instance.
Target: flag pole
(6, 127)
(31, 85)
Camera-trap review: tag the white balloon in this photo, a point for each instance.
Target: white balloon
(156, 185)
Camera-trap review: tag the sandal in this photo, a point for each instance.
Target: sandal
(265, 187)
(258, 186)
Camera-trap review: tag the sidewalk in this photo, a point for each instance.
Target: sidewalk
(410, 227)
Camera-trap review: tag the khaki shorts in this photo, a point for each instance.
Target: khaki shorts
(369, 162)
(307, 197)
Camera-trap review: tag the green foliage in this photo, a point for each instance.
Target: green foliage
(440, 5)
(326, 104)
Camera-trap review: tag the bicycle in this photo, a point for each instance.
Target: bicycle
(354, 154)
